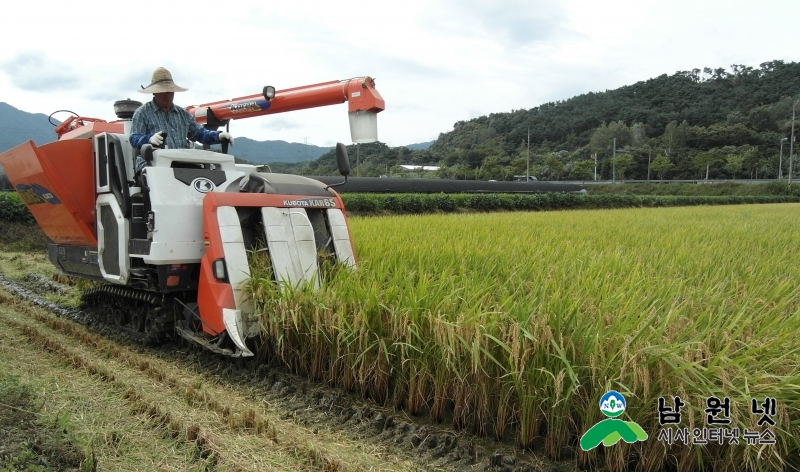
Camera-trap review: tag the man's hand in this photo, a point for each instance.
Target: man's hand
(226, 135)
(157, 139)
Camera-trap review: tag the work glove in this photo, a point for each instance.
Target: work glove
(226, 135)
(157, 139)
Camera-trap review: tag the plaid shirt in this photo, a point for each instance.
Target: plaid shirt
(177, 123)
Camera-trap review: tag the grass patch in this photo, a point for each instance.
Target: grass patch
(22, 237)
(99, 420)
(34, 270)
(26, 442)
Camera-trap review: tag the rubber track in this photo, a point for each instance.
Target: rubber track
(100, 304)
(95, 304)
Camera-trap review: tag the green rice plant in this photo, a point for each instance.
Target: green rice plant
(515, 324)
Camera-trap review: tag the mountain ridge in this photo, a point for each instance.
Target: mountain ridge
(18, 126)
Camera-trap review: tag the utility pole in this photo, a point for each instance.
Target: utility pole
(358, 163)
(528, 169)
(595, 167)
(780, 161)
(614, 164)
(791, 146)
(649, 158)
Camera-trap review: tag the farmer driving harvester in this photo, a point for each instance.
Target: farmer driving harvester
(160, 122)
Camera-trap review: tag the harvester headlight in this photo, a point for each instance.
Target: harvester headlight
(219, 269)
(268, 92)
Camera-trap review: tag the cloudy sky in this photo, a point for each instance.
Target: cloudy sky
(434, 62)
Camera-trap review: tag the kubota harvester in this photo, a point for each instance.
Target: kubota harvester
(173, 246)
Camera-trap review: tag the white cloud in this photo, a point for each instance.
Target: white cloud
(512, 22)
(435, 63)
(33, 71)
(279, 124)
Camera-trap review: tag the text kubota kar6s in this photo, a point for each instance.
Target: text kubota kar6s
(174, 246)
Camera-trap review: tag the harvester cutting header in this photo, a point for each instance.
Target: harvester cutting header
(174, 243)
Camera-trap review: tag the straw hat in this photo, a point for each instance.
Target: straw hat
(162, 82)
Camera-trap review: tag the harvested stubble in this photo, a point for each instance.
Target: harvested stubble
(516, 324)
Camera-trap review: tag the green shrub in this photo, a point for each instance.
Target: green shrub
(13, 210)
(391, 203)
(412, 203)
(444, 202)
(483, 202)
(360, 202)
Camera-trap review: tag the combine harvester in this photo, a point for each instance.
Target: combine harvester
(173, 246)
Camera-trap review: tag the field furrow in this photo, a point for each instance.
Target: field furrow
(218, 426)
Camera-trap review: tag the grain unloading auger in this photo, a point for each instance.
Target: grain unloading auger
(175, 245)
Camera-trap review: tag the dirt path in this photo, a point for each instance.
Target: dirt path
(179, 408)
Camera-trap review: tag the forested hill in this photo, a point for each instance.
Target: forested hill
(701, 98)
(728, 123)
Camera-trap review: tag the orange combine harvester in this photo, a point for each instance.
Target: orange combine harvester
(175, 245)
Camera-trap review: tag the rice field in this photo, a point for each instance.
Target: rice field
(514, 325)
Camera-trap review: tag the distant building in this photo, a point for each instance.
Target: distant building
(410, 167)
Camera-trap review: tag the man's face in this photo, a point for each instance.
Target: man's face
(164, 99)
